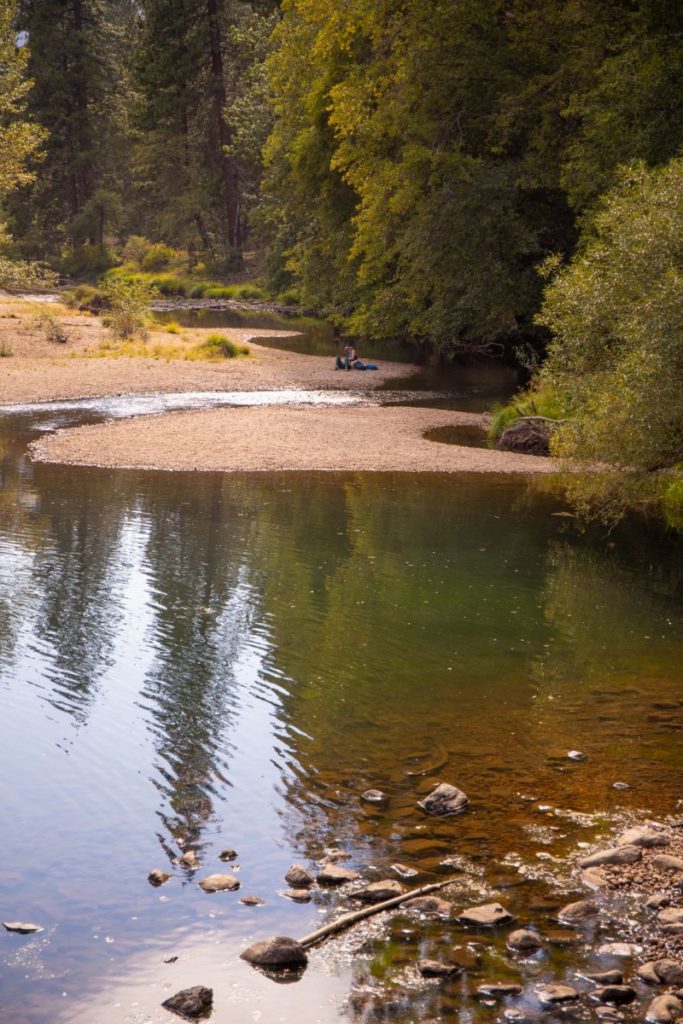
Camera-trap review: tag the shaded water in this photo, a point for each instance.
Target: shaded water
(217, 660)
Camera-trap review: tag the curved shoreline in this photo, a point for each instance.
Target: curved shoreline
(282, 439)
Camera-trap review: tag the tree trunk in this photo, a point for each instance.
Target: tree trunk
(227, 163)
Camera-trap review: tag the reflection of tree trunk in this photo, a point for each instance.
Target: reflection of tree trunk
(227, 163)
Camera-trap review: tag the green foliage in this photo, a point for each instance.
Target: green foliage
(616, 313)
(172, 284)
(129, 303)
(172, 327)
(20, 139)
(159, 256)
(672, 500)
(135, 250)
(532, 403)
(24, 275)
(219, 346)
(83, 296)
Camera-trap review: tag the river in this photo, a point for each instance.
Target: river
(204, 660)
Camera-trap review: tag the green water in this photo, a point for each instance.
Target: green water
(215, 660)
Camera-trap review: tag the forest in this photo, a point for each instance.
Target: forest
(486, 176)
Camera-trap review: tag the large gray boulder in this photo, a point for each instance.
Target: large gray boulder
(614, 855)
(444, 800)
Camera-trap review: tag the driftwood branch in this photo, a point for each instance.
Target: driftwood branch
(358, 915)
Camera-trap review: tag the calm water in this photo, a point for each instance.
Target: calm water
(232, 660)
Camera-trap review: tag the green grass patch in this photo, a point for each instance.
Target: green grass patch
(538, 403)
(171, 285)
(219, 346)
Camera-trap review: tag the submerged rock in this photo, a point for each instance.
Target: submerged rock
(370, 1005)
(299, 877)
(252, 901)
(279, 952)
(189, 860)
(191, 1003)
(157, 877)
(444, 800)
(403, 871)
(219, 883)
(332, 874)
(488, 915)
(524, 941)
(430, 905)
(664, 1009)
(581, 910)
(298, 895)
(378, 892)
(227, 854)
(467, 959)
(612, 855)
(374, 796)
(21, 927)
(435, 969)
(606, 977)
(498, 989)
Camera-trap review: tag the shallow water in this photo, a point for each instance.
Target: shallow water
(232, 660)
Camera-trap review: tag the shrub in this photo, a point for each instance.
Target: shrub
(52, 327)
(172, 327)
(218, 346)
(83, 296)
(5, 350)
(158, 257)
(530, 403)
(130, 304)
(135, 249)
(23, 275)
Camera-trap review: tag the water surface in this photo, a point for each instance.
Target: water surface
(206, 660)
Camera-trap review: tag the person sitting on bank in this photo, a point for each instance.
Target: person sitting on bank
(350, 356)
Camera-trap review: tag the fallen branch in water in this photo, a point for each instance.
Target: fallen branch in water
(358, 915)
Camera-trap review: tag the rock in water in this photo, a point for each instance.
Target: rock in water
(435, 969)
(374, 796)
(219, 883)
(157, 878)
(228, 854)
(576, 755)
(641, 836)
(620, 995)
(497, 990)
(606, 977)
(664, 1009)
(277, 953)
(579, 911)
(557, 994)
(332, 874)
(524, 941)
(189, 860)
(21, 927)
(191, 1003)
(488, 915)
(444, 800)
(253, 901)
(299, 877)
(298, 895)
(378, 892)
(613, 855)
(661, 972)
(430, 905)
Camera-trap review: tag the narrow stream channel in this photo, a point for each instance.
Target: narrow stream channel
(204, 660)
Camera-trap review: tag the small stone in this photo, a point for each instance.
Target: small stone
(298, 895)
(227, 854)
(332, 874)
(378, 892)
(435, 969)
(670, 915)
(641, 836)
(191, 1003)
(21, 927)
(648, 973)
(374, 796)
(524, 941)
(189, 860)
(498, 990)
(606, 977)
(299, 877)
(620, 785)
(618, 994)
(276, 953)
(608, 1014)
(594, 878)
(620, 949)
(430, 905)
(444, 800)
(551, 994)
(669, 972)
(667, 863)
(613, 855)
(403, 871)
(219, 883)
(488, 915)
(333, 853)
(252, 901)
(657, 901)
(576, 755)
(578, 911)
(664, 1009)
(157, 878)
(171, 960)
